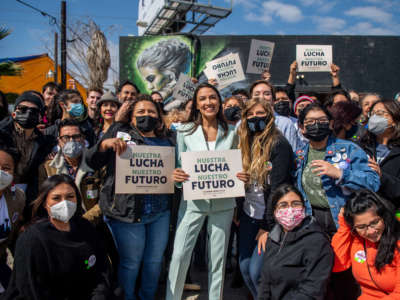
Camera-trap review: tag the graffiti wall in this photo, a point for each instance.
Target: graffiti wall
(154, 63)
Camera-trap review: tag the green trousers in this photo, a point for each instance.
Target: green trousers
(189, 225)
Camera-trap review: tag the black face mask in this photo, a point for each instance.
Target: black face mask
(257, 124)
(232, 113)
(352, 132)
(317, 132)
(282, 108)
(146, 123)
(27, 119)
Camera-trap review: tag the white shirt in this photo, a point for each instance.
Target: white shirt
(211, 145)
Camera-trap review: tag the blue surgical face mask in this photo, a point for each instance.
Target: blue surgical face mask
(76, 109)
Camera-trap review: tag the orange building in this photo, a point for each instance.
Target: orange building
(34, 75)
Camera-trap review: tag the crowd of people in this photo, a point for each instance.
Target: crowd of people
(319, 219)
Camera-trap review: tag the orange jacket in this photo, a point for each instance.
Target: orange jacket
(349, 252)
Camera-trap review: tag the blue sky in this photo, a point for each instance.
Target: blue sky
(32, 34)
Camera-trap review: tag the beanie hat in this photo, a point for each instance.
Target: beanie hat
(301, 99)
(108, 97)
(32, 98)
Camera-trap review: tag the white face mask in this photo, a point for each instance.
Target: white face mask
(5, 179)
(63, 211)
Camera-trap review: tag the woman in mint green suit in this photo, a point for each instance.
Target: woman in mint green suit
(205, 130)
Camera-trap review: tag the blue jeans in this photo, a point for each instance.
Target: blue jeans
(139, 244)
(249, 260)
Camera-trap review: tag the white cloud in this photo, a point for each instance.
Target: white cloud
(263, 18)
(329, 25)
(286, 12)
(311, 2)
(247, 4)
(327, 7)
(370, 12)
(322, 6)
(385, 3)
(366, 28)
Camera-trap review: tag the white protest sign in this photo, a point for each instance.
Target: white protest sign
(212, 174)
(260, 56)
(314, 58)
(226, 70)
(184, 88)
(145, 170)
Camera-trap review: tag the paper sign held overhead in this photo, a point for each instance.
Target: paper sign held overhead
(145, 170)
(184, 89)
(226, 70)
(314, 58)
(260, 56)
(212, 174)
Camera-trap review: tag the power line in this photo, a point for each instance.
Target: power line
(53, 21)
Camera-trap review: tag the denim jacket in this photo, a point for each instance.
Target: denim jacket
(353, 162)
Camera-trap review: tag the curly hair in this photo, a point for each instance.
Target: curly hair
(256, 149)
(167, 56)
(344, 113)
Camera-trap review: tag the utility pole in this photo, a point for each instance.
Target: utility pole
(56, 57)
(63, 44)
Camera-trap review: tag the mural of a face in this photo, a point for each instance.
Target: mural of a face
(155, 80)
(161, 64)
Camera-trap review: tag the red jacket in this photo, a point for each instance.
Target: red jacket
(349, 252)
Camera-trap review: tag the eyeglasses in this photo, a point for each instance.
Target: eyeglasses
(67, 138)
(363, 227)
(24, 109)
(379, 113)
(313, 121)
(294, 204)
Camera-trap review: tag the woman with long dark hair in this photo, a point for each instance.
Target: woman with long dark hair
(139, 223)
(205, 130)
(382, 144)
(60, 255)
(267, 159)
(106, 109)
(298, 259)
(368, 242)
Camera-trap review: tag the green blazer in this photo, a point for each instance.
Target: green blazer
(197, 142)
